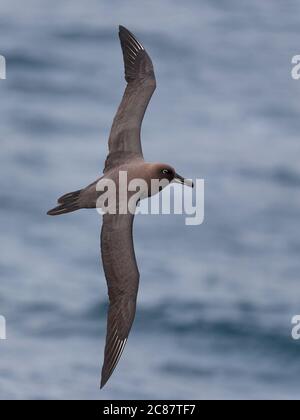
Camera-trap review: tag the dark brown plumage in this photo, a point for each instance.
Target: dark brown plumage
(116, 238)
(122, 276)
(125, 154)
(125, 136)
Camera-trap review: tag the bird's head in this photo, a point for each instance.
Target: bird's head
(163, 171)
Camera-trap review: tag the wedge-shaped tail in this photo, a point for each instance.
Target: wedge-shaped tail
(67, 203)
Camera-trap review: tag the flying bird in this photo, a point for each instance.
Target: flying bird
(125, 155)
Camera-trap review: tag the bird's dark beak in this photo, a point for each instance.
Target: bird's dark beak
(183, 181)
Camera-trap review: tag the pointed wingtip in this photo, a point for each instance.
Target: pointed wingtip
(124, 32)
(103, 382)
(122, 29)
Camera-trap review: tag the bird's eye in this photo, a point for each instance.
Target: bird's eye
(165, 171)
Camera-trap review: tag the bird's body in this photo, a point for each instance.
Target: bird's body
(125, 157)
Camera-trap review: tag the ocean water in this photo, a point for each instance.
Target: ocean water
(216, 300)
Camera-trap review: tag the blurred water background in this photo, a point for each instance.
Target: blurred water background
(216, 301)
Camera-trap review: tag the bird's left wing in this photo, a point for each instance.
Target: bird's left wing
(122, 278)
(124, 140)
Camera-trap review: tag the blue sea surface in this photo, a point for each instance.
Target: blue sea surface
(216, 300)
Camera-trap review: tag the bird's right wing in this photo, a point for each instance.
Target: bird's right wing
(124, 140)
(122, 278)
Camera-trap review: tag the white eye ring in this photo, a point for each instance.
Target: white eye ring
(165, 171)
